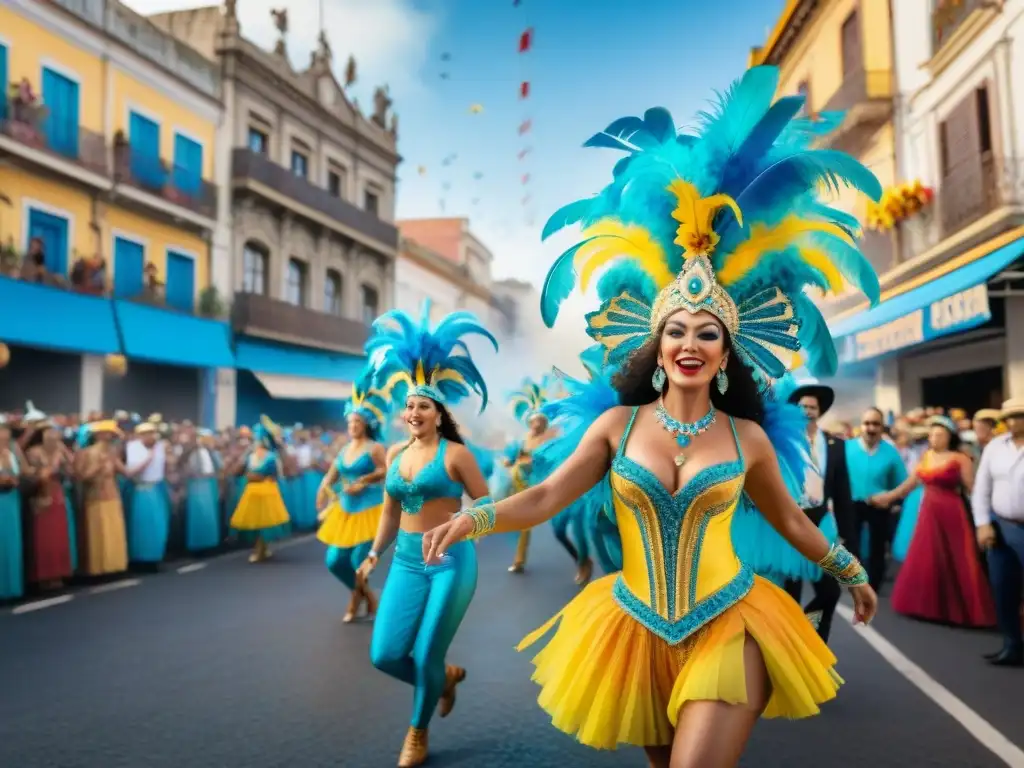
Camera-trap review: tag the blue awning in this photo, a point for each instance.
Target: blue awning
(298, 373)
(954, 302)
(40, 316)
(173, 338)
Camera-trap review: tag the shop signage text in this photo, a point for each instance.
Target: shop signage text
(958, 312)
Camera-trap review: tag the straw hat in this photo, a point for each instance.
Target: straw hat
(146, 429)
(106, 425)
(1014, 407)
(988, 414)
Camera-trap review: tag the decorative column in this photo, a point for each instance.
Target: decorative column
(91, 384)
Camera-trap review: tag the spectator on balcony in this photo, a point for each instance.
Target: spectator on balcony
(33, 269)
(89, 275)
(153, 290)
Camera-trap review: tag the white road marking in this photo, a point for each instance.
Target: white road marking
(114, 586)
(972, 722)
(191, 567)
(39, 605)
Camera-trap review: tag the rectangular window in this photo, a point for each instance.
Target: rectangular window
(52, 233)
(371, 304)
(371, 202)
(851, 45)
(255, 263)
(129, 262)
(188, 165)
(144, 140)
(300, 164)
(296, 283)
(60, 95)
(181, 281)
(334, 183)
(258, 141)
(332, 292)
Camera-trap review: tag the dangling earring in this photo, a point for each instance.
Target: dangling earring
(722, 380)
(658, 379)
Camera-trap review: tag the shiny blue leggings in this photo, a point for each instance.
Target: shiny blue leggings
(420, 610)
(342, 563)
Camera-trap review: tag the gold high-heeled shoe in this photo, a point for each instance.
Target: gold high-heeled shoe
(452, 677)
(414, 750)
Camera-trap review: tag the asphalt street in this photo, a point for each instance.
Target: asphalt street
(229, 664)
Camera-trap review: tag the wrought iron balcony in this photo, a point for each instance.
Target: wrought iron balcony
(33, 126)
(252, 166)
(949, 15)
(257, 315)
(172, 183)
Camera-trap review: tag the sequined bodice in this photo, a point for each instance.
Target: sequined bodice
(679, 567)
(431, 482)
(361, 466)
(371, 495)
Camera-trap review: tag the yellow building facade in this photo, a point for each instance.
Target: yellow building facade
(108, 151)
(839, 54)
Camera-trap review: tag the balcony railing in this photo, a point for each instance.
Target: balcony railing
(966, 194)
(34, 126)
(174, 184)
(860, 87)
(949, 15)
(262, 316)
(247, 164)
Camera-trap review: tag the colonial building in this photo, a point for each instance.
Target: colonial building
(111, 225)
(950, 328)
(311, 202)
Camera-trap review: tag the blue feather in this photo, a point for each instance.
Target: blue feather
(815, 339)
(573, 213)
(741, 108)
(558, 284)
(658, 122)
(760, 140)
(843, 219)
(852, 264)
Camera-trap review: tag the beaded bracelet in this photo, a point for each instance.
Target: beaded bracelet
(843, 567)
(483, 516)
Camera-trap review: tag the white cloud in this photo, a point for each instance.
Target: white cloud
(389, 38)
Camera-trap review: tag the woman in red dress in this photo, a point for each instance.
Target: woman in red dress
(942, 578)
(48, 541)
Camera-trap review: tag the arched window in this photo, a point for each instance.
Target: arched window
(371, 304)
(332, 292)
(255, 264)
(297, 278)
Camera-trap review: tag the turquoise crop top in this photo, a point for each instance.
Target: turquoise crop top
(431, 482)
(269, 467)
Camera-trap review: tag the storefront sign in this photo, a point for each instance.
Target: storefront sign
(959, 312)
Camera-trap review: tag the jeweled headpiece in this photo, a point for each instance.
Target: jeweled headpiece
(529, 400)
(409, 358)
(730, 220)
(370, 403)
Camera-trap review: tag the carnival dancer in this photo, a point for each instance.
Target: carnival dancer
(261, 511)
(422, 605)
(149, 514)
(527, 403)
(826, 501)
(686, 648)
(12, 575)
(48, 534)
(98, 465)
(942, 578)
(352, 494)
(202, 493)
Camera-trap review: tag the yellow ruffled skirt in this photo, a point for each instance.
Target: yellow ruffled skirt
(260, 507)
(608, 680)
(349, 529)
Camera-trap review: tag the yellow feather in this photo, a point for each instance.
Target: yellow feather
(375, 411)
(447, 375)
(421, 375)
(764, 239)
(393, 381)
(695, 214)
(821, 262)
(615, 240)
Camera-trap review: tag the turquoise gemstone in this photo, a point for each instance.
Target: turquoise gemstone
(695, 285)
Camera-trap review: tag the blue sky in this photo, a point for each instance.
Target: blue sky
(592, 61)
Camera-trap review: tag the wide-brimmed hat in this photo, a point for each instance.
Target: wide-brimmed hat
(105, 425)
(823, 393)
(32, 414)
(988, 414)
(1013, 407)
(146, 429)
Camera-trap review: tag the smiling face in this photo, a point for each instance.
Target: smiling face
(938, 438)
(422, 416)
(692, 349)
(356, 427)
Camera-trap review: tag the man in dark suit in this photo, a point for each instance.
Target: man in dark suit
(826, 490)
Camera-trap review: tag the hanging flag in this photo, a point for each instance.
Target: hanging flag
(524, 127)
(524, 152)
(526, 40)
(526, 178)
(524, 90)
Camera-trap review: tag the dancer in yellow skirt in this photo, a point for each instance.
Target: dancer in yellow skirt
(712, 239)
(261, 508)
(354, 485)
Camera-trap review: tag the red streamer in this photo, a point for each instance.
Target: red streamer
(524, 90)
(525, 126)
(526, 40)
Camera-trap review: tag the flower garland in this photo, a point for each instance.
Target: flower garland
(898, 203)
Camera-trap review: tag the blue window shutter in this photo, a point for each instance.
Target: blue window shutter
(129, 263)
(4, 81)
(188, 165)
(181, 281)
(53, 231)
(144, 139)
(60, 97)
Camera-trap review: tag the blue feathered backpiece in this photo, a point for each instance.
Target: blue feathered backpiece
(405, 354)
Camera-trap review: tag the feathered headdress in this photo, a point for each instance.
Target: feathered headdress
(730, 221)
(528, 401)
(268, 433)
(432, 363)
(371, 404)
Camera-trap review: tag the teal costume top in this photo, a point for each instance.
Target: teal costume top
(371, 496)
(268, 468)
(431, 482)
